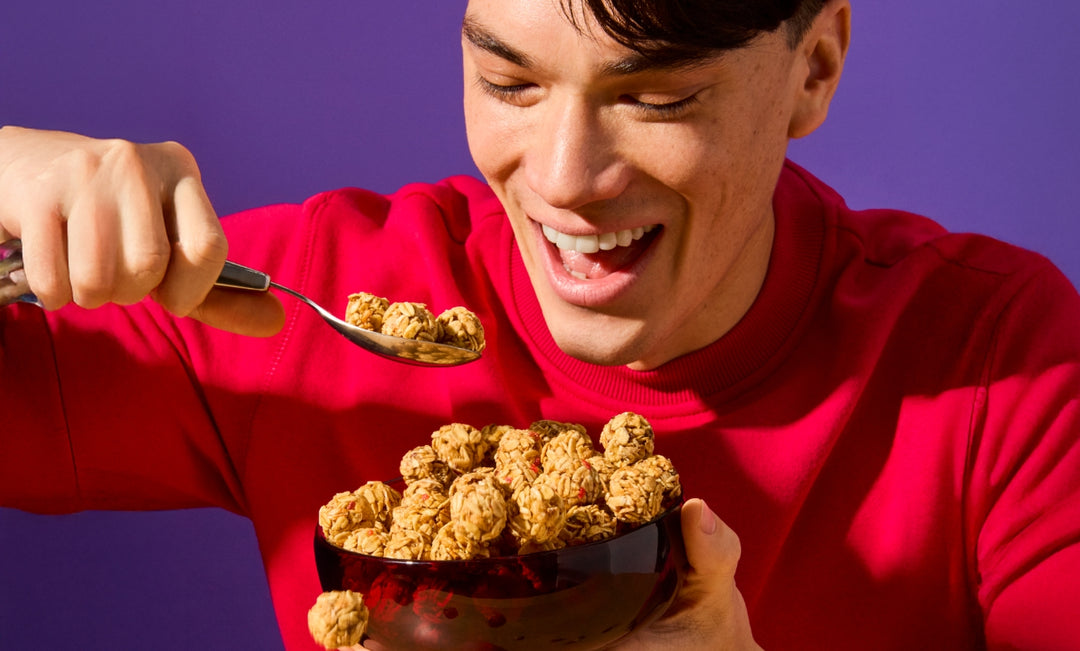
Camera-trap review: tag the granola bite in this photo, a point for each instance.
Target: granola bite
(548, 429)
(477, 508)
(519, 441)
(426, 492)
(517, 459)
(587, 523)
(383, 498)
(461, 447)
(338, 619)
(451, 545)
(422, 462)
(344, 513)
(667, 479)
(492, 435)
(575, 482)
(366, 311)
(627, 438)
(537, 514)
(478, 475)
(411, 321)
(566, 450)
(461, 328)
(426, 520)
(515, 471)
(406, 544)
(371, 541)
(603, 469)
(635, 496)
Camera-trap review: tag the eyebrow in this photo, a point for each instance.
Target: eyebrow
(631, 64)
(485, 40)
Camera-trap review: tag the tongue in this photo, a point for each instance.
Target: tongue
(602, 263)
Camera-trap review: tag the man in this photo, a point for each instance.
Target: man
(858, 396)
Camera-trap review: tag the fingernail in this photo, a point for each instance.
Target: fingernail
(708, 520)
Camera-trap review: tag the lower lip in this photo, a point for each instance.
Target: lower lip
(589, 293)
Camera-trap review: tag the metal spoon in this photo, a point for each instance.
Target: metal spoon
(13, 288)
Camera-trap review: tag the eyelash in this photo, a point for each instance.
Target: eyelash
(665, 110)
(499, 91)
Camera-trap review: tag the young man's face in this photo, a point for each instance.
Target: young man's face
(656, 184)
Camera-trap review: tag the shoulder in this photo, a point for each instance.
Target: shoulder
(445, 213)
(460, 204)
(905, 277)
(457, 201)
(888, 238)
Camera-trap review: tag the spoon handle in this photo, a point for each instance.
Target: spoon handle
(13, 285)
(237, 276)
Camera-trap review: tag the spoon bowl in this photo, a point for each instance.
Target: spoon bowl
(410, 351)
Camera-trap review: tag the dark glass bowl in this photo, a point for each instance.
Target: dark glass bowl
(579, 597)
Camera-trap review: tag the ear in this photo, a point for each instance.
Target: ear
(820, 60)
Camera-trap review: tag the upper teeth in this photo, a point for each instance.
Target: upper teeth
(594, 243)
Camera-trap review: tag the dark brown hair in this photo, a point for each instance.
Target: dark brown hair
(673, 31)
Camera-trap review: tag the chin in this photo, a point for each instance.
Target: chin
(600, 348)
(599, 358)
(598, 338)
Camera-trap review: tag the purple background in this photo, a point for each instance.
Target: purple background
(960, 117)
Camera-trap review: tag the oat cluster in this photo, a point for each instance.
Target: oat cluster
(338, 619)
(500, 490)
(456, 326)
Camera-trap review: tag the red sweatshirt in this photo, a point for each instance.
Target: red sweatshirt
(892, 429)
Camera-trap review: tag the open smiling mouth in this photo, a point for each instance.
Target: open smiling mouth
(592, 257)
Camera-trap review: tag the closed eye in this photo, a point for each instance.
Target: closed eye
(506, 92)
(515, 94)
(661, 109)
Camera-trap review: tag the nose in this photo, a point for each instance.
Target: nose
(572, 159)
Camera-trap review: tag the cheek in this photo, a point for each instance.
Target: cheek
(475, 134)
(696, 161)
(491, 139)
(737, 157)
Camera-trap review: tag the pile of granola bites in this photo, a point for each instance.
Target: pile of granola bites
(456, 326)
(500, 490)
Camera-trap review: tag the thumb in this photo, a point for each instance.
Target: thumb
(256, 314)
(715, 608)
(712, 547)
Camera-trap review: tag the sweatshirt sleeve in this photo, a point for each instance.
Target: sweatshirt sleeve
(36, 467)
(1025, 472)
(129, 407)
(103, 413)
